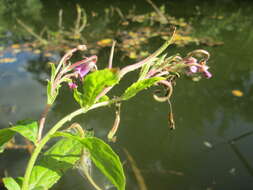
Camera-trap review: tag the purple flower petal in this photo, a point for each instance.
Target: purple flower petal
(72, 85)
(82, 70)
(205, 71)
(193, 69)
(207, 74)
(191, 60)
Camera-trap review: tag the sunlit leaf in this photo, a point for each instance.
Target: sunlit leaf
(95, 82)
(39, 188)
(133, 55)
(105, 159)
(78, 96)
(105, 42)
(15, 46)
(37, 51)
(5, 136)
(48, 54)
(26, 128)
(19, 181)
(50, 99)
(53, 69)
(10, 183)
(237, 93)
(144, 71)
(103, 98)
(7, 60)
(139, 86)
(51, 96)
(54, 163)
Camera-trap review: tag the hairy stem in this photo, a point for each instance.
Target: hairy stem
(47, 137)
(111, 54)
(139, 64)
(42, 121)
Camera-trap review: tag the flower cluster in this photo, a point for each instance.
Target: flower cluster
(82, 68)
(70, 72)
(195, 66)
(172, 67)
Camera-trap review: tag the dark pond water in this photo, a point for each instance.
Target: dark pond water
(199, 153)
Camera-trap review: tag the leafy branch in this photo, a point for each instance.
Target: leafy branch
(78, 148)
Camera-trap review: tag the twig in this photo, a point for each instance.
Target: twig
(241, 136)
(150, 58)
(28, 29)
(141, 182)
(43, 31)
(60, 20)
(111, 54)
(120, 13)
(84, 21)
(139, 64)
(111, 135)
(163, 17)
(171, 117)
(42, 121)
(81, 17)
(242, 158)
(78, 18)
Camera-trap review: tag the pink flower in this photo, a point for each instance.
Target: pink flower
(206, 73)
(81, 68)
(195, 67)
(72, 85)
(192, 62)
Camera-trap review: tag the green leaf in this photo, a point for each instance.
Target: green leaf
(54, 163)
(39, 188)
(78, 96)
(53, 69)
(104, 98)
(19, 180)
(95, 82)
(50, 99)
(5, 136)
(139, 86)
(160, 61)
(10, 183)
(106, 160)
(27, 128)
(144, 71)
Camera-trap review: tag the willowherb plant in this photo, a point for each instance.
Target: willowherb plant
(78, 148)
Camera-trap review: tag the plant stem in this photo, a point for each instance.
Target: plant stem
(139, 64)
(47, 137)
(42, 121)
(111, 54)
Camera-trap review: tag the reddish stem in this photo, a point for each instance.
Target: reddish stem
(42, 121)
